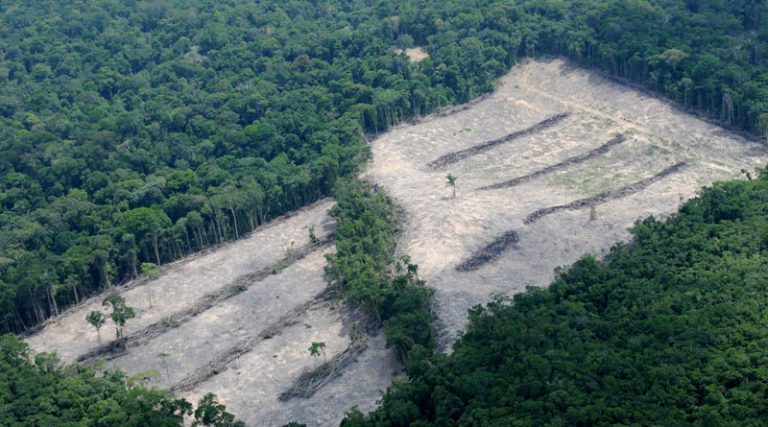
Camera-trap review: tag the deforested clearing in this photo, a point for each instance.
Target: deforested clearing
(249, 346)
(557, 162)
(664, 157)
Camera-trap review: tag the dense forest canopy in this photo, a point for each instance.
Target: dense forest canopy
(669, 329)
(38, 391)
(140, 131)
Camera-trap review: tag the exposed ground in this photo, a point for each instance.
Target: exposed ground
(552, 147)
(414, 54)
(556, 163)
(238, 321)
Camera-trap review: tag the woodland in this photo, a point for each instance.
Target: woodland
(137, 132)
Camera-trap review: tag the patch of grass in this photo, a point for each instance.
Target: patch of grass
(280, 266)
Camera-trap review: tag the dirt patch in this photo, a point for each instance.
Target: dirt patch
(219, 362)
(490, 252)
(573, 160)
(250, 385)
(558, 165)
(414, 54)
(454, 157)
(605, 196)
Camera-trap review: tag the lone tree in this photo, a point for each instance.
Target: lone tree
(149, 270)
(316, 349)
(312, 236)
(451, 183)
(120, 314)
(97, 319)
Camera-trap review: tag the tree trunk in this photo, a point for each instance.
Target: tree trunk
(54, 306)
(234, 221)
(200, 235)
(77, 297)
(155, 245)
(186, 235)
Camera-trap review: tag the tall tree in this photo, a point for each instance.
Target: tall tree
(121, 313)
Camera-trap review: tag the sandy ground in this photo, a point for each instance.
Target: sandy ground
(441, 232)
(186, 348)
(251, 386)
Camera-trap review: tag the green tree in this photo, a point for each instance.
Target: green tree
(149, 270)
(451, 182)
(316, 349)
(121, 313)
(97, 320)
(209, 412)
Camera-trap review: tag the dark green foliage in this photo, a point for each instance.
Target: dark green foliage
(669, 330)
(362, 267)
(209, 412)
(41, 392)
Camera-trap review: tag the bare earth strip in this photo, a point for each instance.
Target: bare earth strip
(205, 303)
(185, 284)
(454, 241)
(616, 140)
(252, 384)
(447, 159)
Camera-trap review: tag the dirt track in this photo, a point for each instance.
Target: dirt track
(560, 170)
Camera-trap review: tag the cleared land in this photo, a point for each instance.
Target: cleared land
(186, 282)
(246, 312)
(532, 159)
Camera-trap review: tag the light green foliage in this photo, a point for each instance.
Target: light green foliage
(97, 320)
(316, 349)
(121, 313)
(149, 270)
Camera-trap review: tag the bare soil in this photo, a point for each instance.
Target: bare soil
(551, 174)
(181, 287)
(589, 155)
(414, 54)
